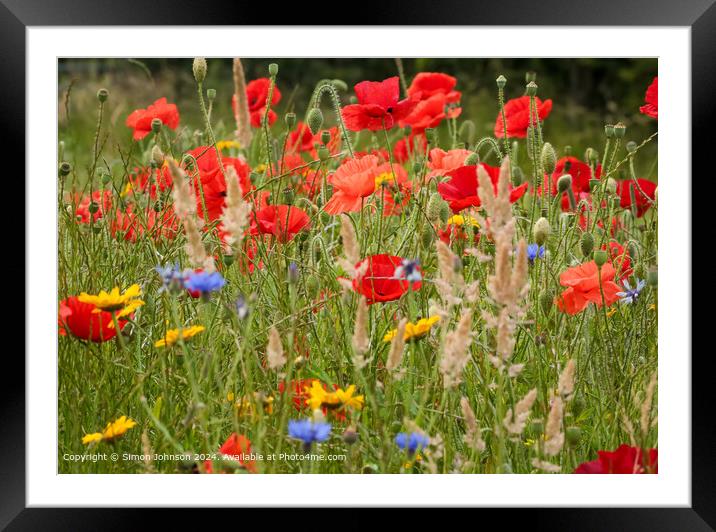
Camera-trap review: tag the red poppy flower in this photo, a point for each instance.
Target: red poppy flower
(620, 259)
(213, 181)
(378, 106)
(102, 198)
(282, 221)
(428, 84)
(78, 318)
(257, 96)
(651, 107)
(378, 284)
(517, 112)
(584, 287)
(581, 175)
(441, 162)
(409, 146)
(352, 181)
(461, 190)
(300, 139)
(644, 197)
(131, 226)
(236, 447)
(625, 460)
(391, 180)
(141, 119)
(429, 113)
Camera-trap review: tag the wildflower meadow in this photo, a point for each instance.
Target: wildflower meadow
(422, 272)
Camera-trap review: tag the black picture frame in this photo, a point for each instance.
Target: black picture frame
(17, 15)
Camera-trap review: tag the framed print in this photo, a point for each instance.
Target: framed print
(359, 266)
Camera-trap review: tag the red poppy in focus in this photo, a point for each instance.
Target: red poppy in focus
(461, 190)
(517, 113)
(580, 172)
(409, 146)
(644, 197)
(441, 162)
(102, 198)
(625, 460)
(141, 119)
(584, 287)
(213, 182)
(79, 319)
(281, 221)
(257, 95)
(352, 181)
(651, 107)
(620, 259)
(236, 447)
(378, 283)
(428, 84)
(429, 113)
(378, 106)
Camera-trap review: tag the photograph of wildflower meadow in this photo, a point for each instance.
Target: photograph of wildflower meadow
(368, 265)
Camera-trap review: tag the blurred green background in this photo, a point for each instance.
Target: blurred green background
(586, 93)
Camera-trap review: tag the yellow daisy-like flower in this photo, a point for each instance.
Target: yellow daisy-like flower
(127, 189)
(126, 311)
(112, 431)
(414, 331)
(113, 301)
(459, 220)
(347, 398)
(173, 335)
(318, 397)
(386, 178)
(611, 312)
(226, 144)
(260, 168)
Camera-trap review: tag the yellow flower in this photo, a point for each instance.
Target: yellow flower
(611, 312)
(112, 431)
(226, 144)
(127, 189)
(173, 335)
(246, 407)
(414, 330)
(459, 219)
(386, 178)
(347, 399)
(652, 306)
(318, 397)
(260, 168)
(126, 311)
(113, 301)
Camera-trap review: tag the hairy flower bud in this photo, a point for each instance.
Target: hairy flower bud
(199, 67)
(156, 125)
(549, 158)
(433, 208)
(600, 257)
(587, 244)
(102, 95)
(541, 231)
(325, 137)
(273, 69)
(546, 301)
(315, 120)
(471, 159)
(564, 183)
(211, 94)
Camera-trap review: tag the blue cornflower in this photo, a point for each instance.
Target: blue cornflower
(534, 251)
(631, 294)
(307, 431)
(172, 278)
(293, 273)
(204, 282)
(412, 442)
(409, 270)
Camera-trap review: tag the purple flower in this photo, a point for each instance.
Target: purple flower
(308, 432)
(409, 270)
(630, 295)
(412, 442)
(534, 252)
(204, 282)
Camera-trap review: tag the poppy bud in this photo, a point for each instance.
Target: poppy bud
(501, 81)
(326, 137)
(288, 196)
(315, 120)
(609, 130)
(323, 153)
(631, 146)
(433, 208)
(518, 177)
(273, 69)
(531, 89)
(199, 68)
(632, 248)
(541, 231)
(65, 168)
(471, 159)
(102, 95)
(587, 244)
(619, 130)
(290, 119)
(652, 278)
(546, 301)
(574, 435)
(93, 207)
(350, 436)
(228, 259)
(467, 131)
(612, 186)
(106, 178)
(549, 158)
(444, 212)
(156, 125)
(600, 257)
(564, 183)
(339, 84)
(591, 155)
(157, 155)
